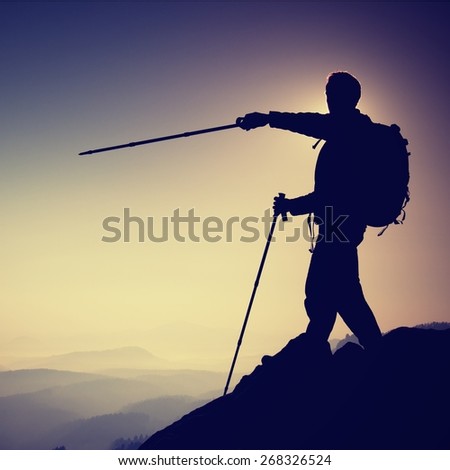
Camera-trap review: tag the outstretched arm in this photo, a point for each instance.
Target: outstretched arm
(311, 124)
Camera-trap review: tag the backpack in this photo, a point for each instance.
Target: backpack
(385, 176)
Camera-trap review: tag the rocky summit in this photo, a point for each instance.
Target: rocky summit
(305, 397)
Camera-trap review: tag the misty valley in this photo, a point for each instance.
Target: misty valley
(56, 406)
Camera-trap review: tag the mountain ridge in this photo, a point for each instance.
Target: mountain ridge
(94, 360)
(288, 402)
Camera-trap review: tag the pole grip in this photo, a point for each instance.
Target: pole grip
(283, 214)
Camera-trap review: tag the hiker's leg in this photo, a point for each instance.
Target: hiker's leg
(353, 307)
(319, 302)
(359, 317)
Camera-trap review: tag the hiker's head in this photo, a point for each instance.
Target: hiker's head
(343, 92)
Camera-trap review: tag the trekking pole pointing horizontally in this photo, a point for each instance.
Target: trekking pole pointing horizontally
(255, 287)
(160, 139)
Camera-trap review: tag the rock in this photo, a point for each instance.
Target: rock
(306, 398)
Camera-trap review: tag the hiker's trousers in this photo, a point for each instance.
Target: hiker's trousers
(333, 287)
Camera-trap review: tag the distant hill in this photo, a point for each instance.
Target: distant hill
(94, 361)
(434, 326)
(162, 407)
(25, 381)
(98, 432)
(88, 398)
(350, 338)
(39, 407)
(343, 342)
(104, 431)
(305, 397)
(24, 417)
(186, 382)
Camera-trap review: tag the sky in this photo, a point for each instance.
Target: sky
(81, 75)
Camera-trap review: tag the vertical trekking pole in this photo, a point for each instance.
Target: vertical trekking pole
(255, 287)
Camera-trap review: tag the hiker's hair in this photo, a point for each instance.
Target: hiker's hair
(346, 86)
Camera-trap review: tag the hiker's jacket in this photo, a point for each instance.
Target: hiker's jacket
(338, 176)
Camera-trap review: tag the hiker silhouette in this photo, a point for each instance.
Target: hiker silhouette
(333, 285)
